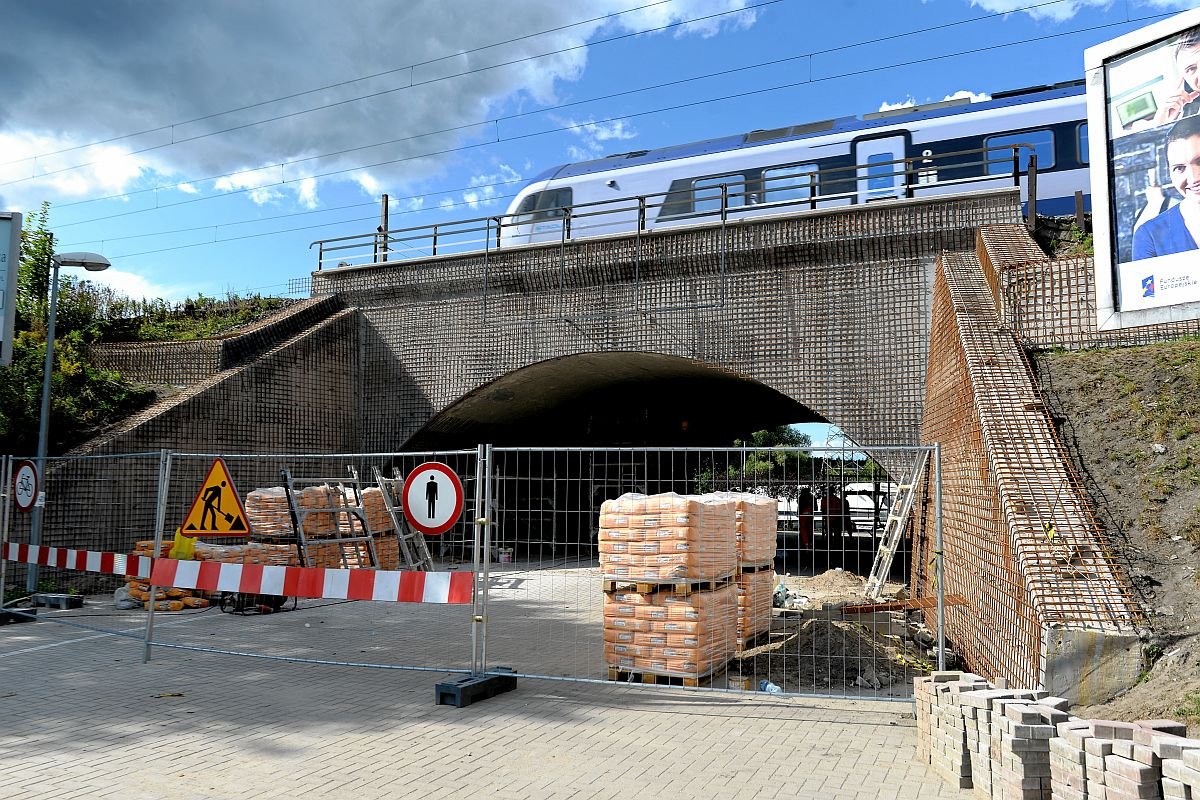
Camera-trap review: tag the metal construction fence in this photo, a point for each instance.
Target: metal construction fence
(566, 584)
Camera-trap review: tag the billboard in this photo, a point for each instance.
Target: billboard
(1143, 93)
(10, 257)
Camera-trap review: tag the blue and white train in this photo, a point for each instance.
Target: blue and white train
(834, 162)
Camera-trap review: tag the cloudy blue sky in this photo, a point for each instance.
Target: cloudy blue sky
(203, 146)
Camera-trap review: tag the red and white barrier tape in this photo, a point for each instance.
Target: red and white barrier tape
(213, 576)
(82, 560)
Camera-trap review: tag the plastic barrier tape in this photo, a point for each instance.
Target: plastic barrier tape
(312, 582)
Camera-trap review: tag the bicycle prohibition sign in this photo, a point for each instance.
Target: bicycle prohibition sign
(25, 485)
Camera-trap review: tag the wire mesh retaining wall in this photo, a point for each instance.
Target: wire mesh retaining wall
(1021, 540)
(1051, 302)
(545, 593)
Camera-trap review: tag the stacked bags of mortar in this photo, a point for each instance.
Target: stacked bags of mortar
(667, 537)
(672, 539)
(756, 518)
(668, 633)
(756, 522)
(267, 511)
(754, 590)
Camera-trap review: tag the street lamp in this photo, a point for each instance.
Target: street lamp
(92, 262)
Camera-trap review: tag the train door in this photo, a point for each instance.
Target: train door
(878, 177)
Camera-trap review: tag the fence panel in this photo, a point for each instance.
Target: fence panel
(107, 506)
(574, 595)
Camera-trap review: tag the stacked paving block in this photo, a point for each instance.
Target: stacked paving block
(1021, 734)
(983, 738)
(940, 713)
(670, 604)
(1180, 766)
(1023, 745)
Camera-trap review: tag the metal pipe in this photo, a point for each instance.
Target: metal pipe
(384, 246)
(939, 553)
(35, 525)
(481, 520)
(487, 551)
(160, 516)
(5, 518)
(1031, 192)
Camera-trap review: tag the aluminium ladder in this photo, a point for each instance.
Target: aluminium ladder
(350, 534)
(898, 515)
(414, 550)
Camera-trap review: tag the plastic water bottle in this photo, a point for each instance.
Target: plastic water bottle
(768, 687)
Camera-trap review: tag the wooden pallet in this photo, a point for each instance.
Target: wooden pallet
(746, 569)
(675, 587)
(741, 645)
(660, 679)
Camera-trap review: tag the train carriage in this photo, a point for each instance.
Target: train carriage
(917, 151)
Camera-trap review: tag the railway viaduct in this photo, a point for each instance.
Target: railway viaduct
(888, 320)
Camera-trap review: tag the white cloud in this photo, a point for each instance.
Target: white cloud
(908, 102)
(306, 193)
(486, 188)
(259, 184)
(1066, 9)
(137, 286)
(594, 135)
(368, 183)
(974, 97)
(29, 178)
(905, 103)
(214, 58)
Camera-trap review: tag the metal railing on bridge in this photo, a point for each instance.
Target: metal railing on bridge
(915, 176)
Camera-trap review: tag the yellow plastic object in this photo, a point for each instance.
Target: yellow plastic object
(184, 548)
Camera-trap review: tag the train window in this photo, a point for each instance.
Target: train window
(783, 184)
(1000, 162)
(881, 173)
(1083, 143)
(706, 193)
(544, 205)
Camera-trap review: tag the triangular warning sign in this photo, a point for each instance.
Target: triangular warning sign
(217, 509)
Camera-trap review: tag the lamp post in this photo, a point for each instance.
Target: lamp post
(92, 262)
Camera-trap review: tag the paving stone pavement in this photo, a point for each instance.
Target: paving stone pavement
(82, 717)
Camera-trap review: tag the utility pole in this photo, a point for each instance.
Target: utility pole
(383, 229)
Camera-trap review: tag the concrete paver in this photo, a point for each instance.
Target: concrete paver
(83, 717)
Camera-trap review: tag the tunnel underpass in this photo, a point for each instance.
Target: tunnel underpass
(616, 399)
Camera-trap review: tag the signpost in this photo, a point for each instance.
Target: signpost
(10, 258)
(432, 498)
(217, 509)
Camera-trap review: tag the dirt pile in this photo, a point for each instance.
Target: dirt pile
(1131, 419)
(803, 655)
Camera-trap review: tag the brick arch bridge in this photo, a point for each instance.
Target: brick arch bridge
(825, 313)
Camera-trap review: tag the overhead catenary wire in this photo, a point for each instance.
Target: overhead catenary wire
(635, 115)
(392, 90)
(496, 121)
(335, 85)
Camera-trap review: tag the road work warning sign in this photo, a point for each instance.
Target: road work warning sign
(217, 509)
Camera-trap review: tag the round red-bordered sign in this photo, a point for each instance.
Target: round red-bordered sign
(25, 485)
(432, 498)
